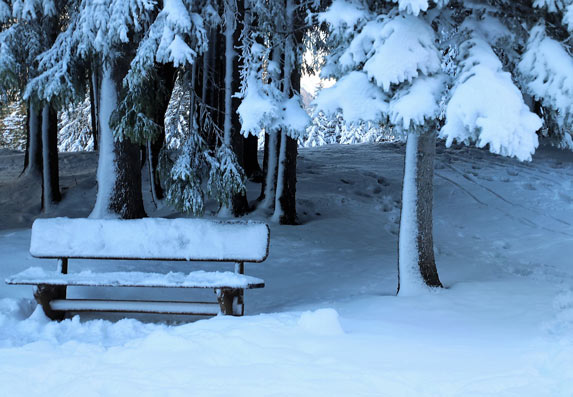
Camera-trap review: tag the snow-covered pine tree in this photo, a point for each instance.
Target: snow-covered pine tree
(210, 115)
(105, 32)
(270, 100)
(30, 29)
(430, 69)
(546, 69)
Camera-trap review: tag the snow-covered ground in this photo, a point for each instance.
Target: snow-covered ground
(327, 323)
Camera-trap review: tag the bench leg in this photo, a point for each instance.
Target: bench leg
(44, 294)
(231, 301)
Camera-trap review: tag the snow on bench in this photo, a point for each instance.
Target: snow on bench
(197, 279)
(144, 239)
(150, 238)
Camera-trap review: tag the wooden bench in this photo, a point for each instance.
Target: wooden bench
(144, 239)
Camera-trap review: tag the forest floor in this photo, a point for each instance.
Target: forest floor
(328, 322)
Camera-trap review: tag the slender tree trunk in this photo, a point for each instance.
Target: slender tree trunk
(416, 263)
(272, 145)
(265, 168)
(94, 85)
(27, 150)
(271, 155)
(250, 159)
(34, 166)
(234, 14)
(285, 199)
(51, 181)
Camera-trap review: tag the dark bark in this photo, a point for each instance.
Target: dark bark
(34, 165)
(27, 150)
(51, 180)
(265, 167)
(166, 76)
(240, 205)
(266, 159)
(126, 200)
(425, 195)
(288, 197)
(250, 159)
(94, 83)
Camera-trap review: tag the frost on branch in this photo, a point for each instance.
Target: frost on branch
(547, 69)
(486, 106)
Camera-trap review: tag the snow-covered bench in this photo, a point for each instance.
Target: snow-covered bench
(144, 239)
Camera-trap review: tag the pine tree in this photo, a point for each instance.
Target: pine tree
(31, 29)
(455, 71)
(270, 100)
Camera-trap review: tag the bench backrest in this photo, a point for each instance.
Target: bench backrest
(150, 239)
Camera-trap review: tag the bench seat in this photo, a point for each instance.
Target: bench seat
(196, 279)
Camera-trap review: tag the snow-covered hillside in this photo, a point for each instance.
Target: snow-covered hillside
(328, 322)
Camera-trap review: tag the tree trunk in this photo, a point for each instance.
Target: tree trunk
(250, 159)
(119, 171)
(232, 125)
(285, 199)
(416, 263)
(27, 150)
(94, 85)
(240, 203)
(51, 181)
(272, 146)
(34, 165)
(288, 197)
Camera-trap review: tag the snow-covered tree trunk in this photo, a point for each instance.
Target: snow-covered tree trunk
(416, 264)
(270, 168)
(51, 182)
(94, 85)
(285, 196)
(119, 173)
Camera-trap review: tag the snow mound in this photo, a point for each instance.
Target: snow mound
(321, 322)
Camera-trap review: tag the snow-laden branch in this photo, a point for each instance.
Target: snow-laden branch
(487, 107)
